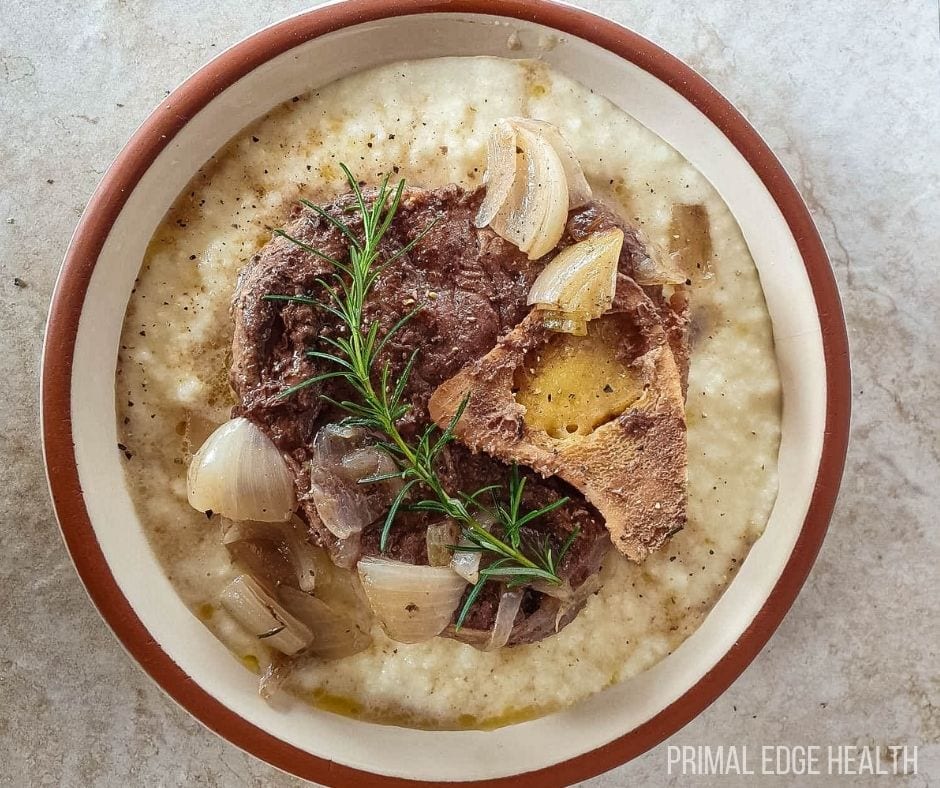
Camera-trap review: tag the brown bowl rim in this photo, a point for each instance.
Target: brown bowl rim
(137, 156)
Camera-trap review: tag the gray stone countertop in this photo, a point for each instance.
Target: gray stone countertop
(848, 95)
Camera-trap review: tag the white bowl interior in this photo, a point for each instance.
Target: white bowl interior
(390, 750)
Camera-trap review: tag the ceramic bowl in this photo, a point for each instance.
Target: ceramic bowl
(105, 537)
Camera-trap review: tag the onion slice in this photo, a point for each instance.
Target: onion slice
(441, 538)
(533, 178)
(657, 268)
(264, 617)
(240, 474)
(466, 563)
(534, 215)
(342, 458)
(285, 541)
(345, 552)
(579, 191)
(275, 675)
(334, 635)
(413, 603)
(509, 603)
(500, 171)
(580, 281)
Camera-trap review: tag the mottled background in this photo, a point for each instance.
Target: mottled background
(848, 94)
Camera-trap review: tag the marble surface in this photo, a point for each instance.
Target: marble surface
(847, 93)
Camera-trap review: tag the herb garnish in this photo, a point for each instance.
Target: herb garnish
(380, 406)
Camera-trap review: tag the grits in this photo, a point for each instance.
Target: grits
(429, 121)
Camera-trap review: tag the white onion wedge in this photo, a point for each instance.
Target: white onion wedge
(580, 280)
(579, 191)
(264, 617)
(533, 178)
(534, 215)
(413, 603)
(240, 474)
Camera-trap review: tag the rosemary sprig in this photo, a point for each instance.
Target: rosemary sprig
(380, 405)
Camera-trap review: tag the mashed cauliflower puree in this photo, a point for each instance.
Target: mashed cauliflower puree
(428, 122)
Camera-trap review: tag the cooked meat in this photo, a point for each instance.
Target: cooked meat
(471, 288)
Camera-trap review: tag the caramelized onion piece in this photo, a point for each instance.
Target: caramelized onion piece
(256, 548)
(263, 548)
(345, 552)
(240, 474)
(341, 589)
(413, 603)
(690, 247)
(657, 268)
(579, 282)
(263, 616)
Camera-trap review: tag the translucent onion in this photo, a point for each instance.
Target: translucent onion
(275, 675)
(302, 553)
(288, 540)
(580, 281)
(240, 474)
(500, 171)
(243, 539)
(342, 591)
(440, 539)
(509, 603)
(342, 458)
(256, 548)
(413, 603)
(532, 173)
(579, 191)
(264, 617)
(345, 552)
(533, 217)
(334, 635)
(466, 563)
